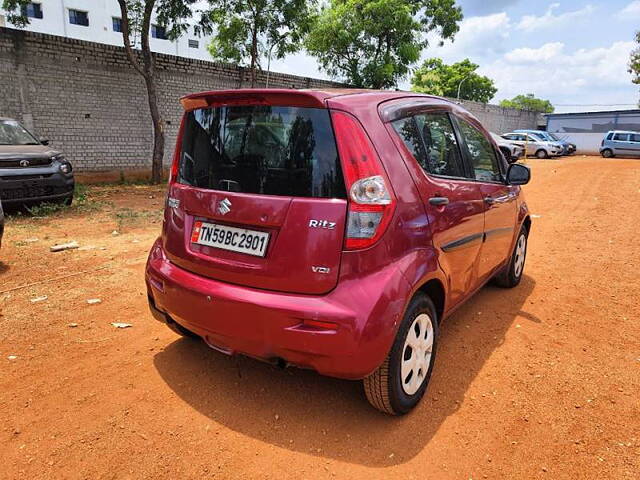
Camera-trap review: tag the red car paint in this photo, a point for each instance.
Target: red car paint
(340, 322)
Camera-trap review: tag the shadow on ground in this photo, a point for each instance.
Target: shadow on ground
(331, 418)
(4, 267)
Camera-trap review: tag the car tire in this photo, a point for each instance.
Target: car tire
(399, 383)
(542, 154)
(607, 153)
(511, 275)
(180, 330)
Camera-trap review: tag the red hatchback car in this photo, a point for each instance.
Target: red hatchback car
(334, 230)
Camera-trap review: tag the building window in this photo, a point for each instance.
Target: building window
(77, 17)
(193, 44)
(158, 32)
(117, 24)
(31, 10)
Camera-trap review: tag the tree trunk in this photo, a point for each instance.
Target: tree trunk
(254, 53)
(158, 129)
(147, 71)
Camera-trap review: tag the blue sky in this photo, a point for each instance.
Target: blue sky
(571, 52)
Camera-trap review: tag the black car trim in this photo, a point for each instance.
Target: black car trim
(497, 232)
(463, 242)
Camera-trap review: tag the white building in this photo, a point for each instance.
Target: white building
(99, 21)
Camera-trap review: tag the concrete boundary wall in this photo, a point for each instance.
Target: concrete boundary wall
(88, 101)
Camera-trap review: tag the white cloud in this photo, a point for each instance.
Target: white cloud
(478, 36)
(531, 23)
(547, 52)
(630, 12)
(596, 75)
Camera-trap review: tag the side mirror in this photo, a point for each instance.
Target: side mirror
(44, 141)
(518, 174)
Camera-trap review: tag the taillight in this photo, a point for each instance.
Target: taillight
(173, 175)
(371, 200)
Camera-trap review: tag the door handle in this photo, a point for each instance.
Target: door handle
(489, 200)
(439, 201)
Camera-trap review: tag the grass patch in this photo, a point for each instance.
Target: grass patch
(82, 202)
(130, 217)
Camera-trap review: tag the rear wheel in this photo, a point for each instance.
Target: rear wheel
(512, 274)
(607, 153)
(542, 153)
(400, 382)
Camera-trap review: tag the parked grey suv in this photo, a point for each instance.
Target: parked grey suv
(30, 171)
(511, 150)
(620, 142)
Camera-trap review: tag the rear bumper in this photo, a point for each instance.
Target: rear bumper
(271, 325)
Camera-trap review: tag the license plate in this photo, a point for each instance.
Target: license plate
(251, 242)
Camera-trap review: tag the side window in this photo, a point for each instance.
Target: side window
(621, 137)
(635, 137)
(483, 158)
(443, 154)
(610, 136)
(408, 131)
(431, 139)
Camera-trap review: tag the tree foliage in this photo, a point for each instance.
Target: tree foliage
(249, 30)
(373, 43)
(528, 102)
(437, 78)
(634, 61)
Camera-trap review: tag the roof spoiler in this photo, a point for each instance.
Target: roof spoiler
(255, 96)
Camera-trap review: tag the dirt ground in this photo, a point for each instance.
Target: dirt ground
(542, 381)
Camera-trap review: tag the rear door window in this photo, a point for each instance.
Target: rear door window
(635, 137)
(621, 137)
(431, 139)
(285, 151)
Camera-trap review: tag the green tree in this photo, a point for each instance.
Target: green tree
(437, 78)
(528, 102)
(372, 43)
(136, 24)
(634, 61)
(248, 30)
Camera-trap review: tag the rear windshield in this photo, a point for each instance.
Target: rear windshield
(286, 151)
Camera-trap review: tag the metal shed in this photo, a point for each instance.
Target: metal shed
(587, 129)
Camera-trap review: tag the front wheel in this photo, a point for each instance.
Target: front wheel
(607, 153)
(512, 274)
(400, 382)
(542, 154)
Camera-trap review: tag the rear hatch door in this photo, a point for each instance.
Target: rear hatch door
(258, 197)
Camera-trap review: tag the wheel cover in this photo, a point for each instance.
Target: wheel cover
(521, 252)
(416, 354)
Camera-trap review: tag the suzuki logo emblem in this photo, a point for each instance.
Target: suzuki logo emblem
(24, 163)
(224, 206)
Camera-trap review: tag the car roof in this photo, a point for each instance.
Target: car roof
(5, 119)
(621, 131)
